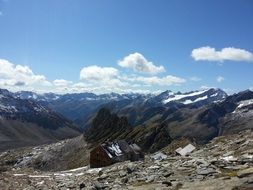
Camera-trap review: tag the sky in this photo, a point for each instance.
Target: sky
(102, 46)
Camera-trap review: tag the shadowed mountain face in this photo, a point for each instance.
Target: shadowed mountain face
(25, 122)
(108, 126)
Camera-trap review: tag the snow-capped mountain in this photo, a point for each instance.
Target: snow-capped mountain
(155, 126)
(11, 106)
(201, 115)
(211, 95)
(196, 98)
(81, 107)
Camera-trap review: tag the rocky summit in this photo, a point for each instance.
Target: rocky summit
(226, 162)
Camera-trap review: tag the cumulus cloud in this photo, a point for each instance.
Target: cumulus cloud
(61, 82)
(95, 72)
(226, 54)
(104, 78)
(110, 79)
(93, 78)
(220, 79)
(139, 63)
(18, 75)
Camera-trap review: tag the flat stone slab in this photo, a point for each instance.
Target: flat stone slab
(245, 173)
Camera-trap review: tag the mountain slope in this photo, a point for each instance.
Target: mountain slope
(108, 126)
(25, 122)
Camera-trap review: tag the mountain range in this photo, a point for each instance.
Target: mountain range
(197, 123)
(151, 120)
(24, 122)
(81, 107)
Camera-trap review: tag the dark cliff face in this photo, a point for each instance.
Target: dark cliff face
(107, 126)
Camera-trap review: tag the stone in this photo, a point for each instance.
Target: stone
(130, 168)
(122, 173)
(245, 173)
(124, 180)
(150, 178)
(167, 183)
(206, 171)
(99, 186)
(81, 186)
(168, 174)
(200, 177)
(102, 177)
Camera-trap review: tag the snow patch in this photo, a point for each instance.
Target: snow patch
(198, 99)
(245, 103)
(213, 95)
(181, 96)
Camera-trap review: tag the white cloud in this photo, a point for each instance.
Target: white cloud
(61, 82)
(1, 13)
(226, 54)
(17, 75)
(220, 79)
(195, 79)
(93, 78)
(102, 78)
(139, 63)
(161, 81)
(95, 72)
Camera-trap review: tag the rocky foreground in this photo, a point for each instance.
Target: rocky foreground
(224, 163)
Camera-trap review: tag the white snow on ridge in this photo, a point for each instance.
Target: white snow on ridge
(213, 95)
(245, 103)
(35, 96)
(8, 108)
(198, 99)
(180, 96)
(188, 102)
(201, 98)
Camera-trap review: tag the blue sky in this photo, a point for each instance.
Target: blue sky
(115, 45)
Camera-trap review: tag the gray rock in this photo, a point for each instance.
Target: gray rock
(168, 174)
(200, 177)
(206, 171)
(150, 178)
(124, 180)
(131, 168)
(167, 183)
(122, 173)
(82, 186)
(99, 186)
(103, 176)
(245, 173)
